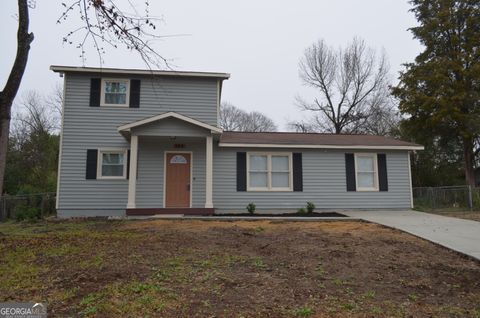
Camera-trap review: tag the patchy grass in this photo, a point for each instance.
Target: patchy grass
(460, 213)
(233, 269)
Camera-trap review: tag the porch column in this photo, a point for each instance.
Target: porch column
(209, 172)
(132, 179)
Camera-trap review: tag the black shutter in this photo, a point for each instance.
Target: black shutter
(134, 93)
(350, 172)
(91, 166)
(297, 172)
(382, 172)
(95, 90)
(128, 163)
(241, 171)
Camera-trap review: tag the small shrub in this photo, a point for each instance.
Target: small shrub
(251, 208)
(23, 212)
(310, 207)
(301, 211)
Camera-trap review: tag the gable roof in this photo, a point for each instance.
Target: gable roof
(65, 69)
(312, 140)
(145, 121)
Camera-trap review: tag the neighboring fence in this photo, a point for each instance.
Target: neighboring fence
(446, 198)
(39, 205)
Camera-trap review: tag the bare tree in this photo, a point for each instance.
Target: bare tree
(231, 117)
(55, 100)
(36, 114)
(101, 23)
(258, 122)
(235, 119)
(351, 83)
(7, 95)
(301, 126)
(383, 119)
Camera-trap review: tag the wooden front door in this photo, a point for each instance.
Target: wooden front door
(177, 180)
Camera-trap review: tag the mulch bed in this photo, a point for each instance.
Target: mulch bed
(283, 215)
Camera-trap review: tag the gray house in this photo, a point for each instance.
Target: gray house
(141, 142)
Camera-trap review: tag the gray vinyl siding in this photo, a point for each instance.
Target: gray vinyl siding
(324, 184)
(87, 127)
(151, 172)
(171, 127)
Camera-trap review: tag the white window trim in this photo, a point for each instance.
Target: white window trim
(269, 188)
(375, 171)
(102, 92)
(100, 161)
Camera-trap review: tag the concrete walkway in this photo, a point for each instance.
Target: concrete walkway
(460, 235)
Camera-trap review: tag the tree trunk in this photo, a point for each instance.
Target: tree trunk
(338, 128)
(468, 155)
(4, 128)
(7, 95)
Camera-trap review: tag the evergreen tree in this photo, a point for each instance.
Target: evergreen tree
(440, 91)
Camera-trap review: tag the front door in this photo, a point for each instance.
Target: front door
(177, 180)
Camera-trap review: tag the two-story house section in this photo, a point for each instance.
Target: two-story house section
(143, 142)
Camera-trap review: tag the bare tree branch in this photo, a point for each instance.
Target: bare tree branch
(352, 84)
(36, 114)
(104, 23)
(235, 119)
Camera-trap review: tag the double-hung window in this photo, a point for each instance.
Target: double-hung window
(112, 164)
(366, 172)
(269, 172)
(115, 92)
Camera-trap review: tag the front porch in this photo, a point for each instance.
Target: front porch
(170, 166)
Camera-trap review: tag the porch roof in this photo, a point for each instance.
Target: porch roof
(126, 129)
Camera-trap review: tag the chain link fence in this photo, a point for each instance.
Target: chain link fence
(31, 206)
(453, 198)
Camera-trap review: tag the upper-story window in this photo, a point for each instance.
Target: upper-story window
(115, 92)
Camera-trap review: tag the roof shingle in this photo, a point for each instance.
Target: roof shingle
(229, 138)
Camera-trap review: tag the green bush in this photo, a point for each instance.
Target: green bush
(310, 207)
(23, 212)
(251, 208)
(302, 211)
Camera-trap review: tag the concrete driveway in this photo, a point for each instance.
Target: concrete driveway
(457, 234)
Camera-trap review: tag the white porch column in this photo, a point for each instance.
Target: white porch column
(132, 178)
(209, 172)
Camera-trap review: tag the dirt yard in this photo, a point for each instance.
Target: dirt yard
(233, 269)
(474, 215)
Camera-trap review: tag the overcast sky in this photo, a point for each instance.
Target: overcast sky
(258, 42)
